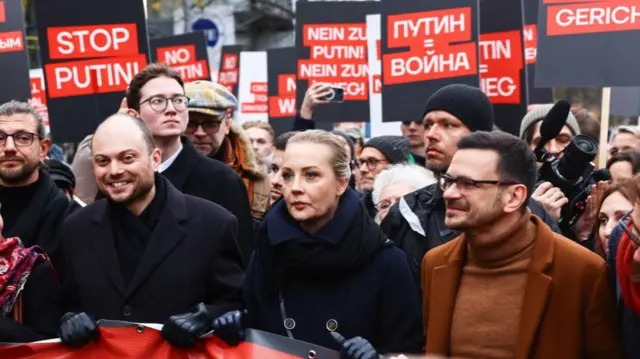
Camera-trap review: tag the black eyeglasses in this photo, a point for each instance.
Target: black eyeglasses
(21, 138)
(160, 103)
(371, 163)
(464, 183)
(209, 126)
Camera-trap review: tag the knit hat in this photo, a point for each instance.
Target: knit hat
(61, 173)
(538, 113)
(468, 104)
(395, 148)
(209, 98)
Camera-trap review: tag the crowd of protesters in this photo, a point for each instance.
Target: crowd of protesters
(440, 241)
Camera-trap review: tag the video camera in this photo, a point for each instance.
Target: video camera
(574, 172)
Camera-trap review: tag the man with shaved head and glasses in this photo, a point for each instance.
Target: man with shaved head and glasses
(508, 286)
(33, 207)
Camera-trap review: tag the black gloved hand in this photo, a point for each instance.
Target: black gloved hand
(355, 348)
(183, 330)
(230, 327)
(77, 329)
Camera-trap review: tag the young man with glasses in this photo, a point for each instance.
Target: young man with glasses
(509, 287)
(214, 134)
(156, 95)
(33, 207)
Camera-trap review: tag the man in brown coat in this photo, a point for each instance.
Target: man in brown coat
(509, 287)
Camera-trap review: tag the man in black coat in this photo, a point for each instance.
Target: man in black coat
(148, 252)
(33, 207)
(156, 95)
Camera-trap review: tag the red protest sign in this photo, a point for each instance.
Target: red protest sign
(430, 35)
(87, 77)
(228, 75)
(78, 42)
(3, 14)
(530, 43)
(184, 60)
(284, 104)
(11, 41)
(109, 59)
(590, 16)
(338, 56)
(500, 65)
(260, 103)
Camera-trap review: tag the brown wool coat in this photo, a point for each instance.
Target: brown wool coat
(568, 310)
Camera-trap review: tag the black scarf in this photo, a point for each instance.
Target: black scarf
(346, 243)
(28, 210)
(132, 233)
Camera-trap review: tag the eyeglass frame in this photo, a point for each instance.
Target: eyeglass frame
(166, 102)
(472, 182)
(391, 203)
(33, 138)
(222, 118)
(366, 162)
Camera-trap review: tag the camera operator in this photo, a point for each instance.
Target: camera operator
(552, 198)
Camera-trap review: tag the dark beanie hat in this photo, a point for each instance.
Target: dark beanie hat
(61, 173)
(395, 148)
(469, 104)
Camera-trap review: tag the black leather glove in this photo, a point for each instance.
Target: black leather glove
(77, 329)
(230, 327)
(184, 330)
(355, 348)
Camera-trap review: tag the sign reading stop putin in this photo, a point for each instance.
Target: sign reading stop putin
(90, 50)
(104, 59)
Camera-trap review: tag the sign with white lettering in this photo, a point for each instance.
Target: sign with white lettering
(229, 71)
(281, 82)
(588, 43)
(253, 96)
(14, 60)
(185, 53)
(89, 60)
(502, 61)
(426, 45)
(535, 94)
(331, 42)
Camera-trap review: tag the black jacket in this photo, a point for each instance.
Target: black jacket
(416, 224)
(192, 257)
(376, 299)
(41, 222)
(200, 176)
(40, 309)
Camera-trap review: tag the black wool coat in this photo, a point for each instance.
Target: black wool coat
(192, 257)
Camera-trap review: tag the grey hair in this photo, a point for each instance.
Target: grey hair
(340, 156)
(14, 107)
(415, 176)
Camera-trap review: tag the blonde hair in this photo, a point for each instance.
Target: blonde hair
(339, 154)
(261, 125)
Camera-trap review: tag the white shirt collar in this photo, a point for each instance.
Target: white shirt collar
(166, 164)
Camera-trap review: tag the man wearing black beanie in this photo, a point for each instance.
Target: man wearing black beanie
(376, 156)
(416, 222)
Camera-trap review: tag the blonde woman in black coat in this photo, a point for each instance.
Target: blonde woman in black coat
(322, 264)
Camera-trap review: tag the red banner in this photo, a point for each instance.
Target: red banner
(142, 342)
